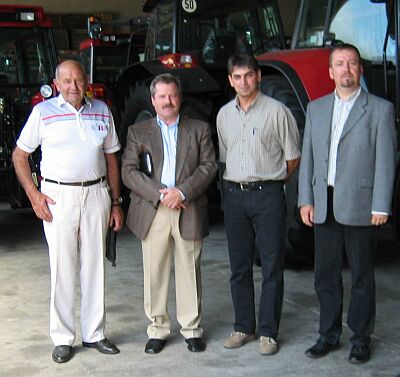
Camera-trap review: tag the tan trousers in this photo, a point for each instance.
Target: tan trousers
(78, 230)
(161, 243)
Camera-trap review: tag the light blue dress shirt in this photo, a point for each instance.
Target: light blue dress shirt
(170, 137)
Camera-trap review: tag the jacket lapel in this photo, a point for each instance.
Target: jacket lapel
(156, 146)
(182, 147)
(355, 114)
(325, 113)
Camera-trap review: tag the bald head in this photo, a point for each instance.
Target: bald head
(71, 81)
(67, 64)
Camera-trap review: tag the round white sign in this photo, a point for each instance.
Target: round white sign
(189, 6)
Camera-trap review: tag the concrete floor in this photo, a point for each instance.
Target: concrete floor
(26, 347)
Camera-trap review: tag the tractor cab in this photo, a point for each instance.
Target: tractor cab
(27, 64)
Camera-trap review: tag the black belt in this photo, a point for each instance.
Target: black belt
(251, 186)
(83, 184)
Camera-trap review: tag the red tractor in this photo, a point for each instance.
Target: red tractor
(27, 63)
(300, 74)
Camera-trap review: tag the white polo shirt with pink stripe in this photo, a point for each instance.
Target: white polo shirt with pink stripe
(73, 142)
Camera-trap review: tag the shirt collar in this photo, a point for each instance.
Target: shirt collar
(353, 96)
(256, 98)
(161, 123)
(62, 102)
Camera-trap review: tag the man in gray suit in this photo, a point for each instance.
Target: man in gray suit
(168, 209)
(346, 181)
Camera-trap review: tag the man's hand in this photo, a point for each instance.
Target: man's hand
(40, 203)
(116, 221)
(379, 219)
(307, 215)
(172, 198)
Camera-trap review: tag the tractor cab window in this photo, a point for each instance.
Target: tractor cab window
(366, 29)
(312, 23)
(213, 33)
(23, 59)
(322, 21)
(160, 31)
(110, 63)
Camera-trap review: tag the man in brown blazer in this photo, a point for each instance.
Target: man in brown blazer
(168, 209)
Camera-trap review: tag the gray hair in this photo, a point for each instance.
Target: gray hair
(165, 78)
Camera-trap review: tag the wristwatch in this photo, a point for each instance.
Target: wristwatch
(116, 201)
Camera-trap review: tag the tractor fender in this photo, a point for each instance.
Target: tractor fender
(280, 68)
(306, 70)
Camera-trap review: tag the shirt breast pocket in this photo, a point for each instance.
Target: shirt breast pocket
(99, 130)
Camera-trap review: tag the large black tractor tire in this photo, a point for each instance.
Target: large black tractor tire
(300, 238)
(138, 107)
(278, 87)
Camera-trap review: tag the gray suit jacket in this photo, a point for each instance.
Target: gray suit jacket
(365, 164)
(195, 169)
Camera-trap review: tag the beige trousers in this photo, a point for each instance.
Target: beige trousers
(77, 232)
(161, 243)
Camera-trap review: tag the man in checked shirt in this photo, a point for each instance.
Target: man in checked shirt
(259, 142)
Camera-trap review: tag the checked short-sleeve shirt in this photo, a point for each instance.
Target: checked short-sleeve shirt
(256, 144)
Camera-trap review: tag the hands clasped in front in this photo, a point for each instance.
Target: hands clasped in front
(172, 198)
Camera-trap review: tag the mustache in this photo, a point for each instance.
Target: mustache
(168, 106)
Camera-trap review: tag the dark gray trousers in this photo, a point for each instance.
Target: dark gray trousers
(256, 219)
(359, 244)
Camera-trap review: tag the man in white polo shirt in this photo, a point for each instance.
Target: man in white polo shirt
(79, 199)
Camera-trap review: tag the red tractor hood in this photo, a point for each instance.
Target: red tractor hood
(310, 65)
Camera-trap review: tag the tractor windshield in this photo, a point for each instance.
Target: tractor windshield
(24, 57)
(213, 30)
(321, 21)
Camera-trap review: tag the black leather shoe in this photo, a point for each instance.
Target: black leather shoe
(103, 346)
(62, 354)
(321, 349)
(154, 346)
(359, 354)
(195, 344)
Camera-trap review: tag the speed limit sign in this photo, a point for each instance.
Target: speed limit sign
(189, 6)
